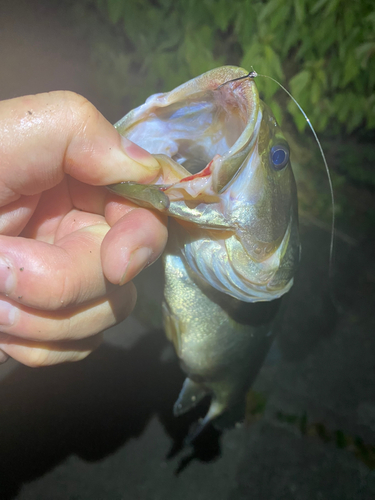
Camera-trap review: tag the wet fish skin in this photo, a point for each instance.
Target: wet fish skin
(234, 245)
(220, 340)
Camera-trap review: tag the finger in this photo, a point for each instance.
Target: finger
(46, 135)
(99, 200)
(36, 354)
(88, 198)
(116, 207)
(15, 216)
(133, 243)
(53, 206)
(69, 324)
(50, 277)
(3, 357)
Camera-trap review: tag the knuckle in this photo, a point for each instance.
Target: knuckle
(38, 357)
(66, 291)
(60, 299)
(80, 111)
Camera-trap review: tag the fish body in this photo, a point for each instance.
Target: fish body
(226, 181)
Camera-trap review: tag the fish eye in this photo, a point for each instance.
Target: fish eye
(279, 156)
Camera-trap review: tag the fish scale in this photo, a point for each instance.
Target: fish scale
(233, 243)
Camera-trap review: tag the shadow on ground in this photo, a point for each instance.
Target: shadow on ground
(90, 409)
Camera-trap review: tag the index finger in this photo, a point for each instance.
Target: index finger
(44, 136)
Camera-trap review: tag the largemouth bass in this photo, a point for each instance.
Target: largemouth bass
(227, 184)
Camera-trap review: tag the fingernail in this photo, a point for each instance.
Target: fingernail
(7, 313)
(3, 357)
(7, 277)
(3, 342)
(139, 154)
(138, 260)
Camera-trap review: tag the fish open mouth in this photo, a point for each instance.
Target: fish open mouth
(200, 127)
(212, 142)
(197, 124)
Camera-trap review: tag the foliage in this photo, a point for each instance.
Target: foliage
(322, 50)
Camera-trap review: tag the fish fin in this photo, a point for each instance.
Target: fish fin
(216, 409)
(247, 411)
(231, 417)
(190, 395)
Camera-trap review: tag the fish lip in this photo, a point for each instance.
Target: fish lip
(221, 170)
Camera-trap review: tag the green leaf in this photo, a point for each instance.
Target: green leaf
(300, 81)
(364, 52)
(198, 53)
(268, 9)
(332, 6)
(276, 110)
(349, 19)
(273, 61)
(291, 39)
(245, 24)
(356, 117)
(299, 8)
(223, 12)
(318, 5)
(328, 45)
(343, 105)
(115, 10)
(315, 91)
(270, 29)
(351, 69)
(252, 56)
(298, 117)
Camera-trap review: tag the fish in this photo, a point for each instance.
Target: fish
(227, 185)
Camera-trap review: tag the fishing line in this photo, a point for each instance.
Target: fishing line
(253, 74)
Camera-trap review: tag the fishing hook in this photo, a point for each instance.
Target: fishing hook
(252, 74)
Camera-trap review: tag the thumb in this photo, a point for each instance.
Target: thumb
(44, 136)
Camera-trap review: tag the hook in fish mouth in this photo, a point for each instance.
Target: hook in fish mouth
(252, 74)
(206, 131)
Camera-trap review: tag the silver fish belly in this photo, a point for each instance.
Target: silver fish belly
(226, 182)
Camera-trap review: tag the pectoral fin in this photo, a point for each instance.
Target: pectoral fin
(190, 395)
(214, 411)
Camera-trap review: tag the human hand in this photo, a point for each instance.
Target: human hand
(66, 242)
